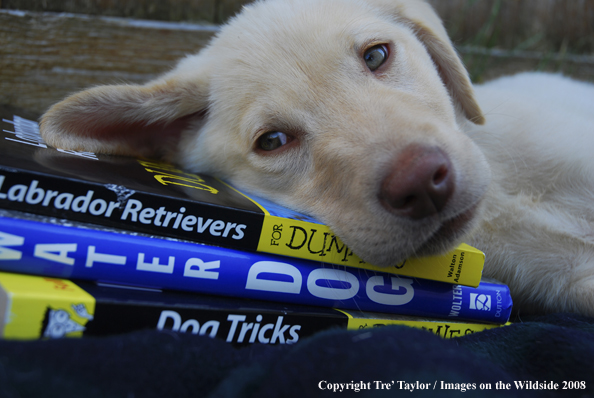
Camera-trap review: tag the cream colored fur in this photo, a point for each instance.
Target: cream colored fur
(524, 179)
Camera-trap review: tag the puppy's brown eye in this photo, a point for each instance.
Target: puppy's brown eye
(375, 56)
(272, 140)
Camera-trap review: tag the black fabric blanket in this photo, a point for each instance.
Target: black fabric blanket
(540, 352)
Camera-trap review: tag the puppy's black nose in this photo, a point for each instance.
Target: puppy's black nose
(420, 184)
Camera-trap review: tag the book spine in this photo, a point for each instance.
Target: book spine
(54, 308)
(80, 253)
(119, 207)
(310, 241)
(442, 328)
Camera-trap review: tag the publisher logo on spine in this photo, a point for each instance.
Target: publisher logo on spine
(480, 302)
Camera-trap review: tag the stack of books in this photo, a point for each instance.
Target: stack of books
(93, 244)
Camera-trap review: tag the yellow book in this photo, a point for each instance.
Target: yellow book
(35, 307)
(440, 327)
(311, 241)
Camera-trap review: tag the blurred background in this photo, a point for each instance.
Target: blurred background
(51, 48)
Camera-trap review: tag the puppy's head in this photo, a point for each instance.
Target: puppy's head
(349, 110)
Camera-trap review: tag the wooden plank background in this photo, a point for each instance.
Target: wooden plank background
(214, 11)
(538, 24)
(45, 55)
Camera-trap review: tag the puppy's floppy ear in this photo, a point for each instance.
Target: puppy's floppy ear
(427, 26)
(136, 120)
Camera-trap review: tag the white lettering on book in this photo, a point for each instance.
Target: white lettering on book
(456, 301)
(7, 239)
(56, 252)
(134, 211)
(325, 283)
(35, 195)
(398, 285)
(191, 325)
(27, 132)
(256, 330)
(154, 265)
(264, 276)
(240, 331)
(94, 257)
(319, 283)
(196, 268)
(268, 268)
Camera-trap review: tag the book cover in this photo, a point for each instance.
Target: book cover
(70, 251)
(33, 307)
(159, 199)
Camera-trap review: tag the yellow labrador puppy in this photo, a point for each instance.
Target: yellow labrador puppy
(361, 114)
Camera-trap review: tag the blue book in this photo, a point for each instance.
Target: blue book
(74, 251)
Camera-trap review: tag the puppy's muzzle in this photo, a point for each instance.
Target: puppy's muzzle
(420, 184)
